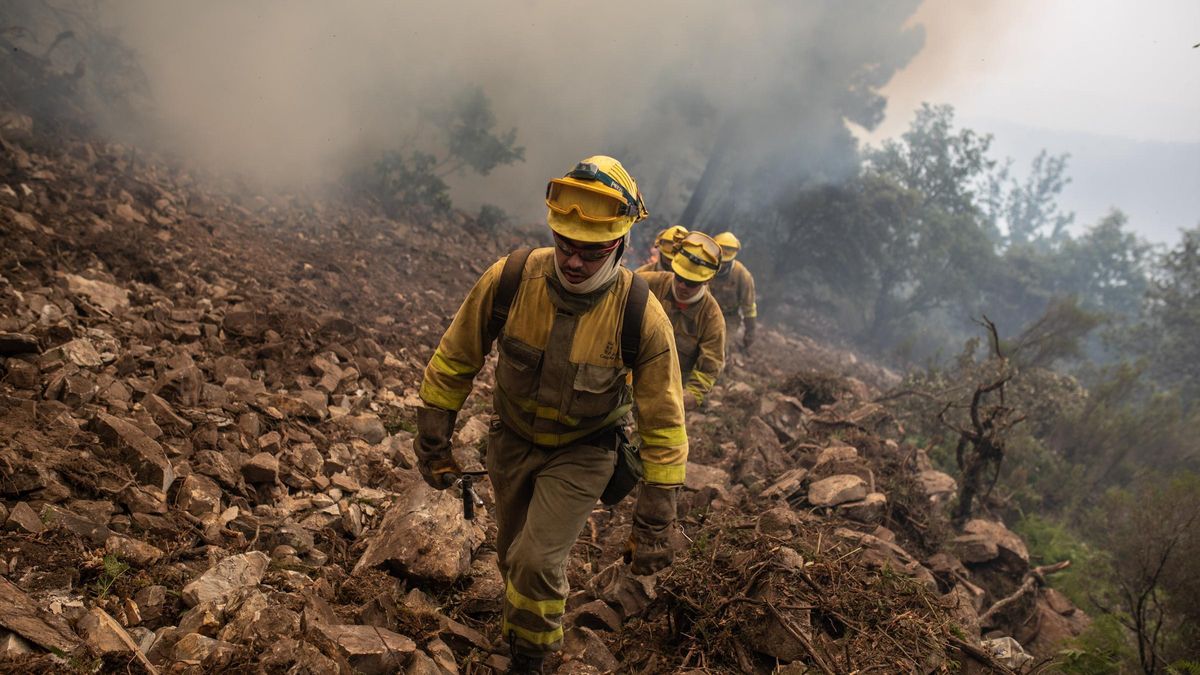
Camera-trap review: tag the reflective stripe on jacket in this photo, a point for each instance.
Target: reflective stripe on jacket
(560, 377)
(699, 334)
(735, 292)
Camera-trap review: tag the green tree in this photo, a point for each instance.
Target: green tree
(1168, 334)
(1027, 213)
(1152, 534)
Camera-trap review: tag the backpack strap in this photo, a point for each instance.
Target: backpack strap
(631, 325)
(506, 290)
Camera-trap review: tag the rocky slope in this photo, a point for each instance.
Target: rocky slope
(205, 466)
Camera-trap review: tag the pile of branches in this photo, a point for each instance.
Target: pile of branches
(748, 587)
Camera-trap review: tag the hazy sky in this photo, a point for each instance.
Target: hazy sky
(1109, 67)
(1114, 84)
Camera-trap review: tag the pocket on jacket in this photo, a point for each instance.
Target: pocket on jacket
(598, 390)
(517, 367)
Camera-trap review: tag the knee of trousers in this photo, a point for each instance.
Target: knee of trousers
(534, 570)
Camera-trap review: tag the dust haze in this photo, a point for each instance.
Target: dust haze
(290, 95)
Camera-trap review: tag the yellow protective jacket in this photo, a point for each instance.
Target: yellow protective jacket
(735, 292)
(699, 334)
(559, 376)
(655, 266)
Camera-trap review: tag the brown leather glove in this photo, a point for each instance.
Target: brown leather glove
(649, 548)
(749, 324)
(435, 461)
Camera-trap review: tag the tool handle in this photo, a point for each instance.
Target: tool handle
(468, 496)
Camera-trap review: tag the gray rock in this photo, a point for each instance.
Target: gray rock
(21, 615)
(134, 551)
(142, 453)
(102, 633)
(23, 518)
(583, 645)
(112, 298)
(424, 536)
(699, 476)
(195, 649)
(837, 490)
(369, 649)
(199, 495)
(226, 578)
(986, 540)
(366, 426)
(788, 485)
(870, 510)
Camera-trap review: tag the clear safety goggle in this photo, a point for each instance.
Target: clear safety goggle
(592, 204)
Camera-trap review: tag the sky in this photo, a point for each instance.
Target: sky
(1115, 84)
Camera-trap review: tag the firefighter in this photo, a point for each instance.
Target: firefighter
(694, 314)
(562, 385)
(734, 290)
(666, 242)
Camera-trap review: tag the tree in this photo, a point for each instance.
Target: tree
(1151, 533)
(411, 182)
(1027, 213)
(1167, 336)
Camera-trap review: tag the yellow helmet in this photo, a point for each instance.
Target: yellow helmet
(697, 258)
(729, 246)
(668, 240)
(595, 202)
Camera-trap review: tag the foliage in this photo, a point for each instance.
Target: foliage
(412, 183)
(113, 569)
(1167, 334)
(1028, 211)
(1152, 534)
(1050, 541)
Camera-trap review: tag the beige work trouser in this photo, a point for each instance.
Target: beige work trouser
(543, 499)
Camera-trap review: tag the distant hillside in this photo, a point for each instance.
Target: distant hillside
(1156, 183)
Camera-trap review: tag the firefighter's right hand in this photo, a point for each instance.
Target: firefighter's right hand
(435, 460)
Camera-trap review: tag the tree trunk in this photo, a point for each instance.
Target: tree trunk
(711, 169)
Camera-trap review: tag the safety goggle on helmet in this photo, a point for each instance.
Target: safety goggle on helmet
(697, 259)
(593, 195)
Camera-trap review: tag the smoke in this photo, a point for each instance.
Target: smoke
(291, 94)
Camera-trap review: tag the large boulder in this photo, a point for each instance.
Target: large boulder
(424, 536)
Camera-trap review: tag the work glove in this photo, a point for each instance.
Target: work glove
(649, 548)
(748, 324)
(690, 401)
(435, 461)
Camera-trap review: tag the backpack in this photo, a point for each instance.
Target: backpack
(631, 325)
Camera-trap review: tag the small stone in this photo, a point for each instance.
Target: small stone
(369, 649)
(442, 655)
(23, 518)
(788, 485)
(837, 490)
(151, 601)
(699, 476)
(144, 455)
(344, 482)
(261, 468)
(136, 552)
(582, 644)
(870, 510)
(596, 615)
(102, 632)
(366, 426)
(194, 648)
(226, 578)
(12, 344)
(199, 495)
(12, 644)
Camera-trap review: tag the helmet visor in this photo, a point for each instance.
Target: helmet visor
(590, 204)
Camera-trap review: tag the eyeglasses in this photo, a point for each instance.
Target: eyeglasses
(688, 282)
(585, 254)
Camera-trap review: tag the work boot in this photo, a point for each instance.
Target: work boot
(524, 664)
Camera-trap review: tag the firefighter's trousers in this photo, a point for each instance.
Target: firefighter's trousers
(543, 499)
